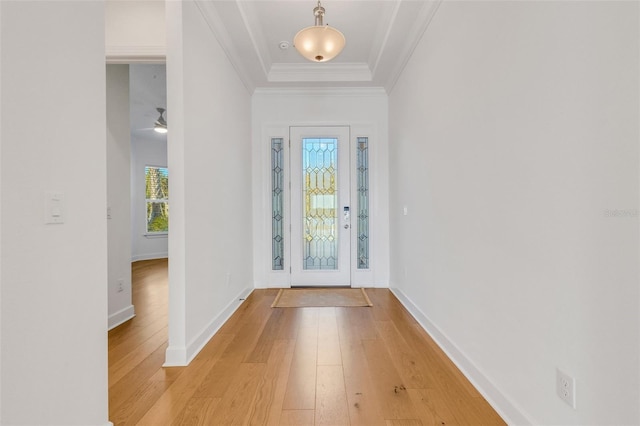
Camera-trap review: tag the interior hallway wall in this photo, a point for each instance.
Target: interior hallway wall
(514, 147)
(118, 195)
(209, 152)
(53, 282)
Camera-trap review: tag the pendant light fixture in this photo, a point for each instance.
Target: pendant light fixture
(319, 43)
(160, 125)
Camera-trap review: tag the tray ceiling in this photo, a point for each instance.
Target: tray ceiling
(381, 36)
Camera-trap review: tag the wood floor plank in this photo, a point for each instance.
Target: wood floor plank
(486, 412)
(301, 385)
(139, 403)
(122, 390)
(438, 372)
(446, 368)
(380, 302)
(129, 337)
(256, 308)
(329, 347)
(297, 418)
(197, 412)
(387, 383)
(128, 362)
(290, 324)
(362, 322)
(267, 406)
(222, 374)
(235, 406)
(262, 348)
(171, 403)
(443, 406)
(364, 409)
(404, 340)
(430, 411)
(331, 398)
(404, 422)
(219, 378)
(405, 359)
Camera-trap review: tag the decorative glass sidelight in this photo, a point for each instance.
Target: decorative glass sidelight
(362, 171)
(320, 201)
(277, 204)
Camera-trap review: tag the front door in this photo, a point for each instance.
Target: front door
(320, 210)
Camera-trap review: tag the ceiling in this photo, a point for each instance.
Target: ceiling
(381, 36)
(147, 91)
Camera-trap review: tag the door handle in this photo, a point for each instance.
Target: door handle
(346, 216)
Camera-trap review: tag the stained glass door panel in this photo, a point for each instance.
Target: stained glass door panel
(320, 234)
(319, 203)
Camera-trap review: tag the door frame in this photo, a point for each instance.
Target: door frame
(376, 275)
(326, 278)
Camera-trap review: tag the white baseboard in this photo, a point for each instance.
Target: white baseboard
(507, 410)
(175, 356)
(182, 356)
(150, 256)
(120, 317)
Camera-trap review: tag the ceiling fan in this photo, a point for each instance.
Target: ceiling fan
(160, 126)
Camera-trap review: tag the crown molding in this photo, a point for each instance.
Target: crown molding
(324, 72)
(382, 44)
(221, 34)
(251, 23)
(127, 54)
(415, 35)
(321, 91)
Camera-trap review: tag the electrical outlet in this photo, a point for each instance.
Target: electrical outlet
(566, 388)
(120, 285)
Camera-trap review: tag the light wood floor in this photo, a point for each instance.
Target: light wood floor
(287, 366)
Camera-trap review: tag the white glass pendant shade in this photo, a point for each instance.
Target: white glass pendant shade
(319, 43)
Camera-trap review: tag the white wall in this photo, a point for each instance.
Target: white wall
(118, 195)
(209, 152)
(1, 139)
(135, 29)
(366, 112)
(54, 277)
(514, 136)
(145, 152)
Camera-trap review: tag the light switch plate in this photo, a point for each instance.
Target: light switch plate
(54, 207)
